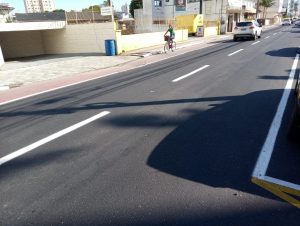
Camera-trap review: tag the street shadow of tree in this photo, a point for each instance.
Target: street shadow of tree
(219, 147)
(273, 77)
(284, 52)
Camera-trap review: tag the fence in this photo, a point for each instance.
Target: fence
(86, 17)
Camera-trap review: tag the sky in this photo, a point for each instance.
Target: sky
(66, 4)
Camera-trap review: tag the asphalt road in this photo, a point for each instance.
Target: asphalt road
(165, 149)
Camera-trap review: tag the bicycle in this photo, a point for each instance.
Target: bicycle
(169, 45)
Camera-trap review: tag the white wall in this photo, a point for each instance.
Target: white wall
(21, 44)
(81, 38)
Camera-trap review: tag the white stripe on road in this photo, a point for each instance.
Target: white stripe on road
(255, 43)
(274, 33)
(268, 147)
(267, 37)
(52, 137)
(235, 52)
(282, 183)
(189, 74)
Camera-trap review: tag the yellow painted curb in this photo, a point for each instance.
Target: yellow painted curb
(279, 190)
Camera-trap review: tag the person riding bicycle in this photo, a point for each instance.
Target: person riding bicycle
(172, 34)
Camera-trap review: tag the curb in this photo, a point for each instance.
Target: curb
(4, 88)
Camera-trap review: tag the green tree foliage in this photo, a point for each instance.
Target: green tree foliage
(94, 8)
(135, 4)
(58, 11)
(266, 4)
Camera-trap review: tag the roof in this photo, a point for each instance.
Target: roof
(35, 17)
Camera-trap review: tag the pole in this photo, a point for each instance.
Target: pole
(112, 11)
(257, 7)
(200, 6)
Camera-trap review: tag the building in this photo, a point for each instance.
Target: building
(125, 9)
(39, 6)
(157, 14)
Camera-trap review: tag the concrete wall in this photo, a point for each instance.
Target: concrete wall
(137, 41)
(81, 38)
(21, 44)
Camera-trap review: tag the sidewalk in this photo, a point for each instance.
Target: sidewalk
(36, 69)
(48, 71)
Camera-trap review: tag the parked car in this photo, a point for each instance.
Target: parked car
(294, 132)
(294, 20)
(286, 22)
(297, 22)
(249, 29)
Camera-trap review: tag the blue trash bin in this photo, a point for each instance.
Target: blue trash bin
(110, 47)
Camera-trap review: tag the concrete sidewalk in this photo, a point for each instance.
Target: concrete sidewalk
(42, 68)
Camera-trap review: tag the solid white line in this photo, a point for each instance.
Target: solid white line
(255, 43)
(267, 37)
(235, 52)
(268, 147)
(52, 137)
(189, 74)
(282, 183)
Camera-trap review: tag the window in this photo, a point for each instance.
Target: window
(157, 3)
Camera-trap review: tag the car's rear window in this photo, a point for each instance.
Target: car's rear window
(244, 24)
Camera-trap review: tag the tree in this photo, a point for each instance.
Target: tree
(266, 4)
(58, 11)
(296, 8)
(94, 8)
(135, 4)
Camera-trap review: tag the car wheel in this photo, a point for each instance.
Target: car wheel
(234, 38)
(255, 36)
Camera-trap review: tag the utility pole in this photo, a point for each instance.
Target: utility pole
(257, 7)
(200, 6)
(112, 10)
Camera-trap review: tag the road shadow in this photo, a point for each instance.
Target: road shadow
(218, 147)
(284, 52)
(37, 159)
(273, 77)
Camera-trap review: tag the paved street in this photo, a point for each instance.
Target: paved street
(174, 142)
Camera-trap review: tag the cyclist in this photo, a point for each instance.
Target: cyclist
(172, 34)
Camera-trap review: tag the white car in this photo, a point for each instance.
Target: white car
(286, 22)
(248, 29)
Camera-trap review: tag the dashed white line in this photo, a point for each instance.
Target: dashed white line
(52, 137)
(255, 43)
(268, 147)
(235, 52)
(275, 33)
(267, 37)
(191, 73)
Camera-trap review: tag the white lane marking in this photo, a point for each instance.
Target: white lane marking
(282, 183)
(267, 37)
(268, 147)
(275, 33)
(52, 137)
(235, 52)
(255, 43)
(189, 74)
